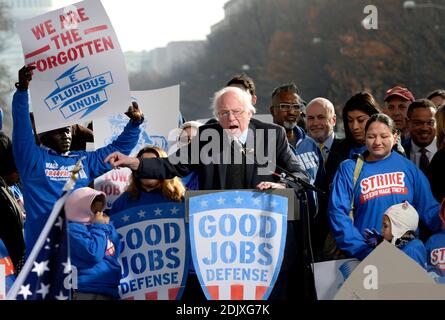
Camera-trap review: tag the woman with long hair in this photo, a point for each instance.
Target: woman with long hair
(149, 191)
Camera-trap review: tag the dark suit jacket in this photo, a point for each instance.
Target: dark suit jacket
(212, 174)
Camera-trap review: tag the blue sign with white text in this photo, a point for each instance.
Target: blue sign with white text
(237, 243)
(79, 91)
(154, 259)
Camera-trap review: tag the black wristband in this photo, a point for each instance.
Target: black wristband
(19, 87)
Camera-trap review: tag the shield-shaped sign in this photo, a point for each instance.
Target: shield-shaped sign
(237, 242)
(154, 259)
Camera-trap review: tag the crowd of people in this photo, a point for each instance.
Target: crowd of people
(382, 182)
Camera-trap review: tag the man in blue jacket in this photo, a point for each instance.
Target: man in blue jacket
(45, 169)
(286, 109)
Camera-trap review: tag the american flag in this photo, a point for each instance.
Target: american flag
(46, 274)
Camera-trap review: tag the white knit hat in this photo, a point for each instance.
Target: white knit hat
(403, 218)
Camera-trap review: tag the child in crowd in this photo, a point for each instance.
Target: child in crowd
(399, 227)
(435, 247)
(94, 246)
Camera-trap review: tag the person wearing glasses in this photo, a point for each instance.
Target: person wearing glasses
(233, 109)
(286, 109)
(207, 154)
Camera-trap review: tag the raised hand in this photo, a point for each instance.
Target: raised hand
(117, 160)
(134, 113)
(25, 77)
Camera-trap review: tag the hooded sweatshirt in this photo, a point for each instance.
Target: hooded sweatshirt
(94, 248)
(44, 172)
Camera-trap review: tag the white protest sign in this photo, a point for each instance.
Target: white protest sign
(160, 128)
(80, 70)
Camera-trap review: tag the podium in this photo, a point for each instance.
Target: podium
(239, 239)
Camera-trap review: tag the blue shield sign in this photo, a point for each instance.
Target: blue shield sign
(154, 259)
(237, 243)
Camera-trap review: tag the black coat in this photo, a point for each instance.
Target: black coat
(212, 176)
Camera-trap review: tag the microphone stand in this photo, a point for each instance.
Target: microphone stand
(301, 189)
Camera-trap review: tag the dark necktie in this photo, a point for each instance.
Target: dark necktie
(235, 174)
(424, 161)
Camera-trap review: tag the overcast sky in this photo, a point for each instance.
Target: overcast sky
(148, 24)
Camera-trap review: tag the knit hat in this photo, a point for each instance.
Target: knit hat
(78, 204)
(403, 218)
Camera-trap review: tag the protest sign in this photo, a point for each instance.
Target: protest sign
(161, 111)
(80, 70)
(154, 259)
(237, 241)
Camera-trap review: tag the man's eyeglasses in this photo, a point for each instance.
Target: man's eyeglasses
(289, 106)
(226, 114)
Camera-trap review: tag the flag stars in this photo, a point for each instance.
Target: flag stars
(44, 290)
(238, 200)
(204, 203)
(59, 223)
(126, 218)
(257, 201)
(61, 296)
(158, 212)
(141, 214)
(47, 247)
(25, 292)
(67, 266)
(221, 201)
(40, 268)
(273, 204)
(174, 210)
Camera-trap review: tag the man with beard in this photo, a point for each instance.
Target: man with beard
(286, 109)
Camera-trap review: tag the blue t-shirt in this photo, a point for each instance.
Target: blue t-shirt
(44, 172)
(435, 247)
(380, 185)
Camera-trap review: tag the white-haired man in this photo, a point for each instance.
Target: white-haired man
(321, 120)
(233, 109)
